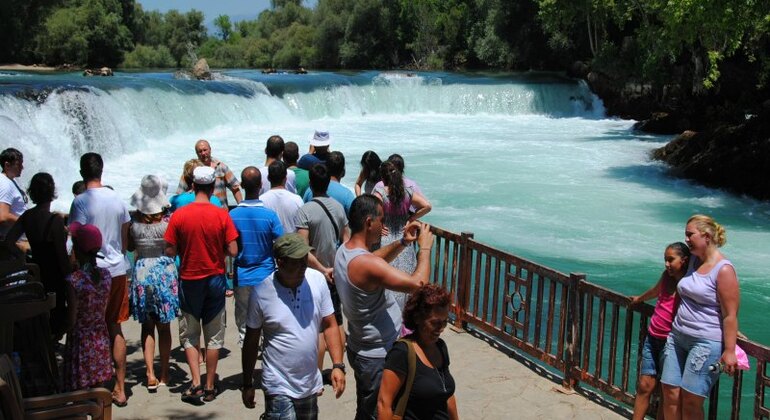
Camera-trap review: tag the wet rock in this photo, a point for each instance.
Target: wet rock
(201, 70)
(578, 69)
(733, 157)
(663, 123)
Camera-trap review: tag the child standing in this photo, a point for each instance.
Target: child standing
(676, 258)
(88, 361)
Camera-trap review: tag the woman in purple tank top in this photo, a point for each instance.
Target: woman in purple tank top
(705, 328)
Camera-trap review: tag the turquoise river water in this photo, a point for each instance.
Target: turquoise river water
(528, 162)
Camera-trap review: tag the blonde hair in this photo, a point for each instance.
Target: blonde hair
(708, 226)
(187, 170)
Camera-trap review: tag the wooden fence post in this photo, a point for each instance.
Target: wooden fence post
(573, 334)
(463, 279)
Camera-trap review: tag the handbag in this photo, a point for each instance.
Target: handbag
(398, 414)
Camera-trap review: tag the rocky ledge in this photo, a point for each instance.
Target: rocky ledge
(733, 157)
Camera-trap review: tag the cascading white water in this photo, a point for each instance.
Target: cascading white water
(529, 163)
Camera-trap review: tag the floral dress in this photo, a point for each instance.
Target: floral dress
(153, 294)
(88, 360)
(395, 219)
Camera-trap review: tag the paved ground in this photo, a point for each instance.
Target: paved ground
(490, 385)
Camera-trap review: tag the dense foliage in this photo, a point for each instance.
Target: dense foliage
(673, 47)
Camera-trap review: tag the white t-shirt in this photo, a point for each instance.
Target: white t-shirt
(286, 204)
(290, 322)
(11, 195)
(290, 184)
(103, 208)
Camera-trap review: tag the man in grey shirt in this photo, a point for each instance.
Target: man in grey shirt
(361, 277)
(324, 225)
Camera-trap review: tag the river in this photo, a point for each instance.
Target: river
(528, 162)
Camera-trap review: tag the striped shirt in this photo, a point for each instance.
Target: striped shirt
(224, 180)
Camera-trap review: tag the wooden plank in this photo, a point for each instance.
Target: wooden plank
(759, 389)
(528, 308)
(437, 260)
(477, 283)
(587, 331)
(551, 313)
(484, 297)
(496, 289)
(627, 348)
(562, 322)
(735, 411)
(600, 339)
(445, 265)
(614, 342)
(538, 311)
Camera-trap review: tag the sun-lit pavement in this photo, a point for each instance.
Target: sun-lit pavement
(490, 385)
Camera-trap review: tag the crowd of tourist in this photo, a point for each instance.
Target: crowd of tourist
(303, 253)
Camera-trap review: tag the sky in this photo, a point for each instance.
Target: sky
(236, 9)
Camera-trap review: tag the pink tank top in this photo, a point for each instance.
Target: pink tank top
(665, 309)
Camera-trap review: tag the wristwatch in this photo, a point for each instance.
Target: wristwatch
(340, 366)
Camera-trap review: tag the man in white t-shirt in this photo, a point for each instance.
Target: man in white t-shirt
(274, 152)
(13, 200)
(102, 207)
(290, 308)
(279, 199)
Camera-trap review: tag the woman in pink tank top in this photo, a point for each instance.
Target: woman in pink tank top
(676, 258)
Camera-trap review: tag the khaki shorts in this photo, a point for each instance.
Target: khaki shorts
(117, 302)
(213, 332)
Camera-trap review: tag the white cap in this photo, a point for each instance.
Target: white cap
(203, 175)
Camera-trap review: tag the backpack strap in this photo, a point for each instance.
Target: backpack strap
(331, 219)
(412, 366)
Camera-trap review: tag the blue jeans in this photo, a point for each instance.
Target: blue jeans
(282, 407)
(686, 363)
(368, 374)
(652, 356)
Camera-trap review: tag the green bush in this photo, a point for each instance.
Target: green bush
(144, 56)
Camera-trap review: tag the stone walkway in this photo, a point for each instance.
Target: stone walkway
(490, 385)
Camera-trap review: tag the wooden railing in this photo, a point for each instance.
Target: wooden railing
(588, 333)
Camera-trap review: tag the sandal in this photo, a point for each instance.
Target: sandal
(210, 395)
(119, 403)
(152, 385)
(193, 394)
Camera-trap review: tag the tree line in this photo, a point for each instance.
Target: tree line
(683, 43)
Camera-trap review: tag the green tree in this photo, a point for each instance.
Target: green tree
(21, 21)
(90, 33)
(183, 32)
(224, 27)
(330, 19)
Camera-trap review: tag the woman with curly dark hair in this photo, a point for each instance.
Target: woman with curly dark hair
(431, 394)
(47, 239)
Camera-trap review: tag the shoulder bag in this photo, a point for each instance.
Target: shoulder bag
(398, 414)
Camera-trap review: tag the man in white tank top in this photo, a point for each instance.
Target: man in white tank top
(361, 277)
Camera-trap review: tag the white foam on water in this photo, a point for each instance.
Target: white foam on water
(516, 165)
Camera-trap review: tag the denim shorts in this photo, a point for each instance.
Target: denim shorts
(652, 356)
(686, 363)
(281, 407)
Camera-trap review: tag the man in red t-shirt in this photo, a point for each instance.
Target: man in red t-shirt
(201, 234)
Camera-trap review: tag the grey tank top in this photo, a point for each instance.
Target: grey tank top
(374, 318)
